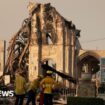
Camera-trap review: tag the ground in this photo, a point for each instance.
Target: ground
(10, 101)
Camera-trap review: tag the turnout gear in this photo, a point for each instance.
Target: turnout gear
(20, 84)
(48, 84)
(34, 85)
(20, 90)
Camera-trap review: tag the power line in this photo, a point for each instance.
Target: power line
(90, 41)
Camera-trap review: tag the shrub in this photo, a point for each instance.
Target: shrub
(84, 101)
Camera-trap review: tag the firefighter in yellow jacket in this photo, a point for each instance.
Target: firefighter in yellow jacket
(20, 84)
(32, 90)
(48, 85)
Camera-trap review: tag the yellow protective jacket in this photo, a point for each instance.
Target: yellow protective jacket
(20, 84)
(48, 84)
(33, 85)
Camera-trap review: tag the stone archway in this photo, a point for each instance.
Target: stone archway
(91, 59)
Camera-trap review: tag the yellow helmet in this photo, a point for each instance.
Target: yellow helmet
(49, 72)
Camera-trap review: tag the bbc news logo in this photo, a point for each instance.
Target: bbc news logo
(8, 93)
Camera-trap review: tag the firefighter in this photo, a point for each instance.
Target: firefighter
(32, 90)
(20, 84)
(48, 85)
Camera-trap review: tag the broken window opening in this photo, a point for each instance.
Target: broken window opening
(49, 38)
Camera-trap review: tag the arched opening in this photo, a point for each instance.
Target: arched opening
(91, 62)
(49, 38)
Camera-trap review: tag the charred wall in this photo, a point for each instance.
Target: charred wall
(44, 35)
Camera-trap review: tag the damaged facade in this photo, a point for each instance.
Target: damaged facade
(2, 56)
(44, 37)
(92, 58)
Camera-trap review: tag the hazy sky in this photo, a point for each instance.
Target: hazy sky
(87, 15)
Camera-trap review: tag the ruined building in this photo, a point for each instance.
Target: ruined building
(45, 37)
(2, 56)
(92, 58)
